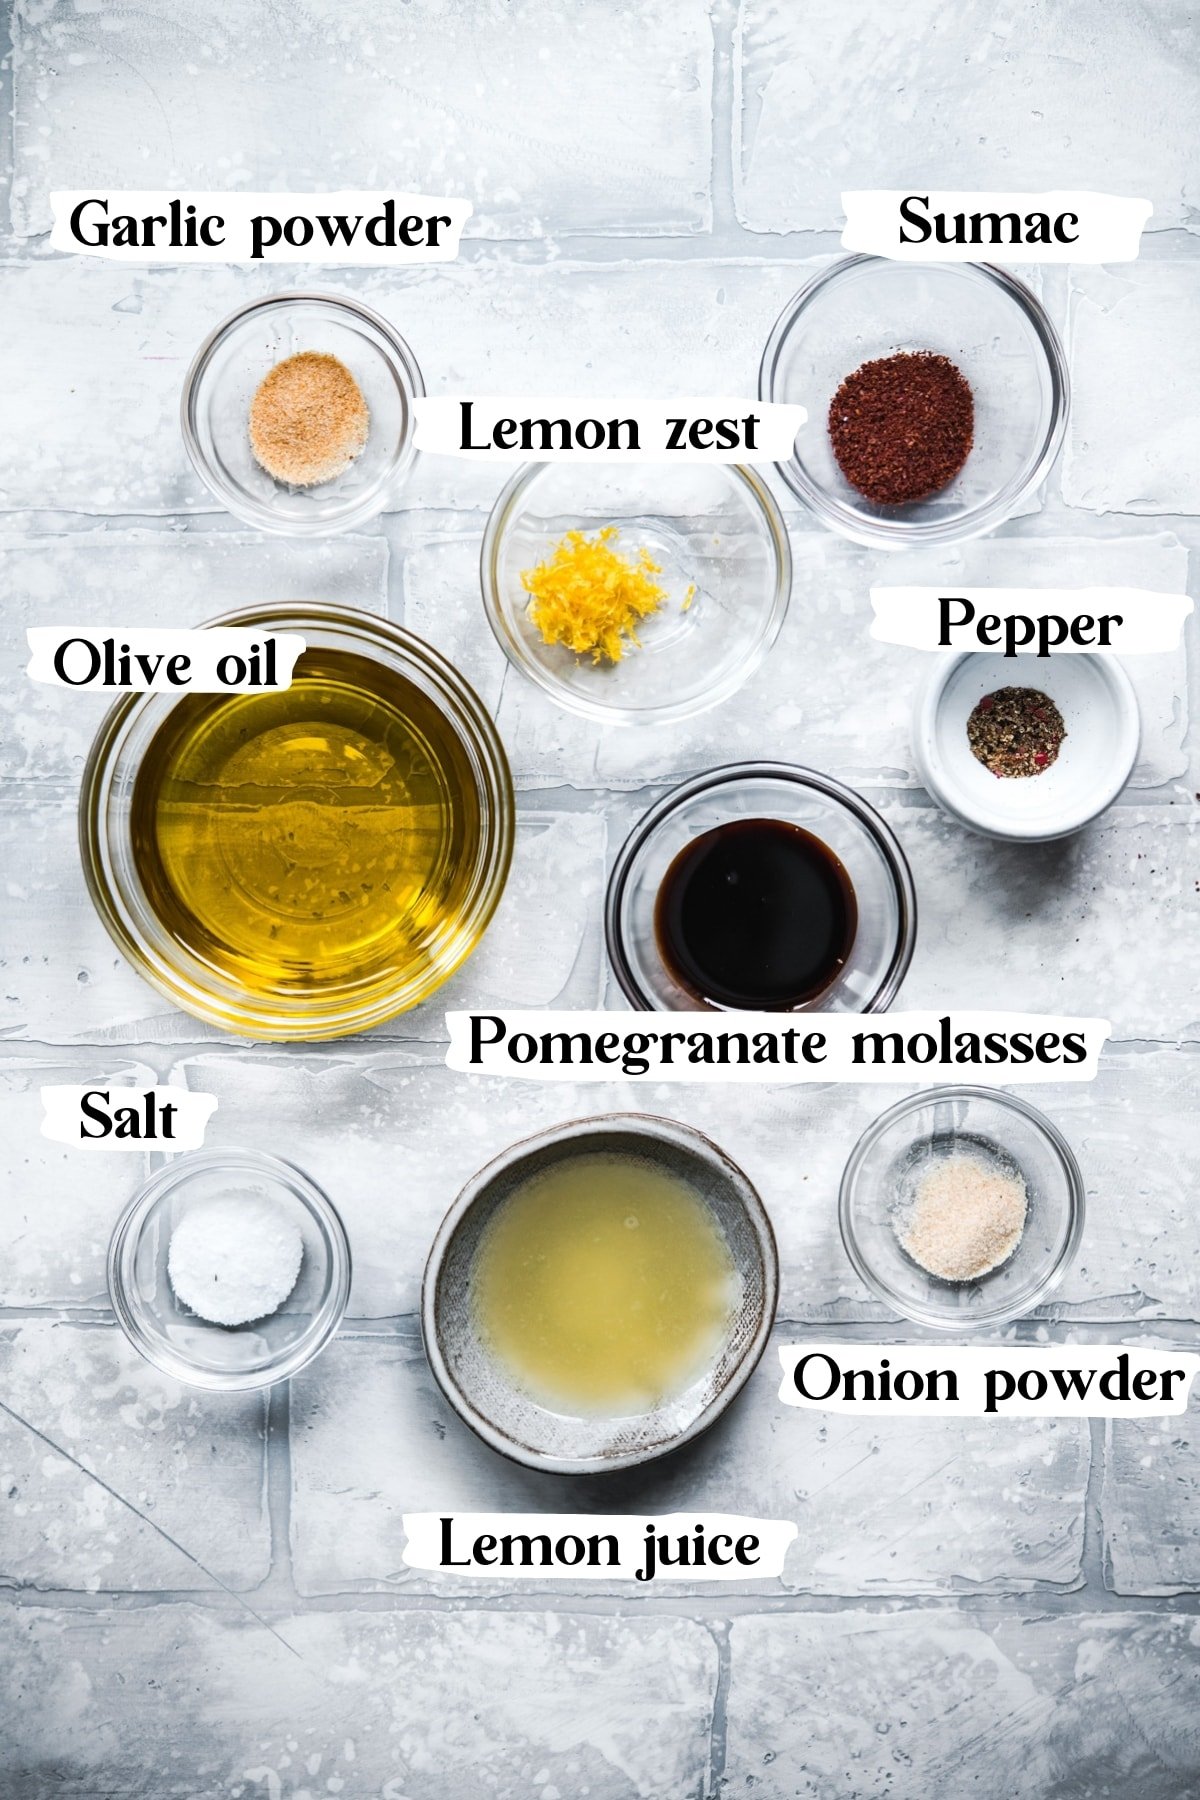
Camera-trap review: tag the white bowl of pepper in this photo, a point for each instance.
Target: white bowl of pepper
(1026, 752)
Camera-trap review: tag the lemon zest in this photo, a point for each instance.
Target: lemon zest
(590, 597)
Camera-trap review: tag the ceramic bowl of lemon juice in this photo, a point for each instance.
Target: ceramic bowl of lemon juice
(599, 1294)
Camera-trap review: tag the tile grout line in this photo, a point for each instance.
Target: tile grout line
(366, 1328)
(721, 1631)
(1093, 1551)
(723, 208)
(711, 1611)
(725, 238)
(280, 1583)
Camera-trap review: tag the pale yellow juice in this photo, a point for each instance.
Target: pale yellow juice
(603, 1284)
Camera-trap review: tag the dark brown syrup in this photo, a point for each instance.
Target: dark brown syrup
(757, 914)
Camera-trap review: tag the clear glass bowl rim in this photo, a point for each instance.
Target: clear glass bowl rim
(356, 511)
(1076, 1197)
(863, 528)
(882, 833)
(122, 1248)
(288, 1021)
(494, 535)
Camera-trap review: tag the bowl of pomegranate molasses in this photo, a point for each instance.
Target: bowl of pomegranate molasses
(761, 887)
(937, 397)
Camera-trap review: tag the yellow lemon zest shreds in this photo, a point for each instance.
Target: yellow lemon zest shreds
(589, 597)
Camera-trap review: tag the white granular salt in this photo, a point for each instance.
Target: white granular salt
(962, 1217)
(234, 1258)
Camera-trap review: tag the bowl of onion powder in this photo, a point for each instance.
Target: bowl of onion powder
(961, 1206)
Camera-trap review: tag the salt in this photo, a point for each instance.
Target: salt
(234, 1258)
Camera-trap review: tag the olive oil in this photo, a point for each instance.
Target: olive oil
(319, 841)
(604, 1284)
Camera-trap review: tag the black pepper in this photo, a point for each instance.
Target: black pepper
(1016, 731)
(902, 426)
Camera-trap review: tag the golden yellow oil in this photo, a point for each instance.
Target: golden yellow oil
(603, 1284)
(316, 842)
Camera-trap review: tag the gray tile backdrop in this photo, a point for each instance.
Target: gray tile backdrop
(205, 1597)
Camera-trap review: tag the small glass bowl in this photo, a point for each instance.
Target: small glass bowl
(125, 907)
(867, 849)
(949, 1118)
(226, 371)
(179, 1341)
(715, 527)
(988, 324)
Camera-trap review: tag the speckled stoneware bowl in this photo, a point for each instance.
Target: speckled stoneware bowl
(483, 1393)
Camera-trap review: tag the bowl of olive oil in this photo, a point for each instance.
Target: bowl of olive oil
(599, 1294)
(305, 862)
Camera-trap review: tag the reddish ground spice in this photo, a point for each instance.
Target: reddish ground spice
(1016, 731)
(902, 426)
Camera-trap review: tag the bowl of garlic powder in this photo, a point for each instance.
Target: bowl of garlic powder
(298, 413)
(961, 1206)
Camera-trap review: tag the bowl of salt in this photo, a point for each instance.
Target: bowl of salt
(229, 1269)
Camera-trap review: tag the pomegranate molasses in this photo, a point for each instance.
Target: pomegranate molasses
(756, 914)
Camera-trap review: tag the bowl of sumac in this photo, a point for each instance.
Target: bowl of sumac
(937, 398)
